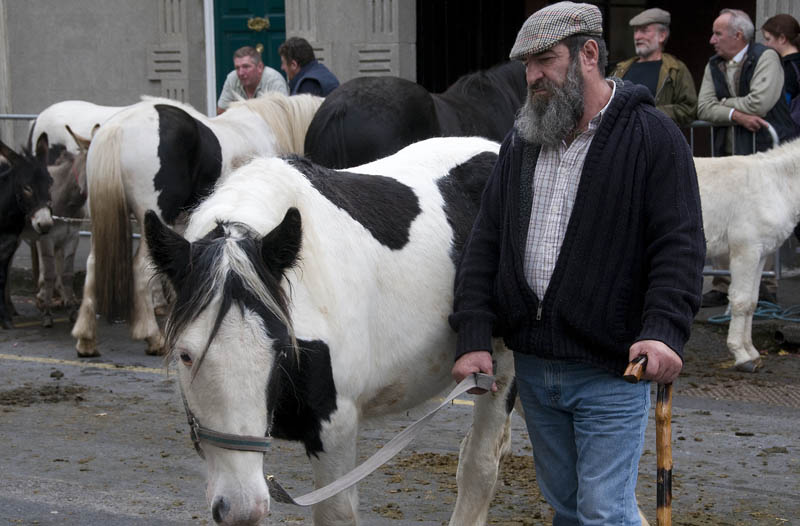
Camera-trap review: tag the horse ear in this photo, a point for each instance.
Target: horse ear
(168, 250)
(10, 155)
(42, 147)
(279, 248)
(82, 142)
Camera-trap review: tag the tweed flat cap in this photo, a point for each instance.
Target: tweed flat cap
(546, 27)
(651, 16)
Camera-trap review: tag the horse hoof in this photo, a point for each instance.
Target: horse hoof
(750, 366)
(87, 349)
(47, 322)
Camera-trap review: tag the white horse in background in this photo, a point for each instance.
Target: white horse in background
(751, 204)
(166, 156)
(81, 116)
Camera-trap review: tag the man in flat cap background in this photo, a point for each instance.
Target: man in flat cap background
(667, 78)
(587, 252)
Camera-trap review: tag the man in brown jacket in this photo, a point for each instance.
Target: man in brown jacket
(668, 78)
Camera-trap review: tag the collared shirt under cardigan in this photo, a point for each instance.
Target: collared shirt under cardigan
(630, 266)
(555, 183)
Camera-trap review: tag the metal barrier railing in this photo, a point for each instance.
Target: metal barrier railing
(18, 116)
(775, 141)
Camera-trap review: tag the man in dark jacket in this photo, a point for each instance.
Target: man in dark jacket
(305, 73)
(667, 78)
(587, 251)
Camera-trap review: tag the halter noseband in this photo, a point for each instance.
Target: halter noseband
(200, 434)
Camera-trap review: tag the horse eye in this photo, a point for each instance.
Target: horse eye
(186, 359)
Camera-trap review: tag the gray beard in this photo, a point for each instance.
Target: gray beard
(549, 119)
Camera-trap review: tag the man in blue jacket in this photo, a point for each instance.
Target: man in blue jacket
(587, 251)
(305, 73)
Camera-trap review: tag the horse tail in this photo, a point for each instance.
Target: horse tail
(111, 228)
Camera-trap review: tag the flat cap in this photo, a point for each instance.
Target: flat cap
(651, 16)
(548, 26)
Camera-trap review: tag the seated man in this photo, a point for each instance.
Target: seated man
(305, 73)
(249, 79)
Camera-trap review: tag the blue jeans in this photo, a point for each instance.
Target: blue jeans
(587, 431)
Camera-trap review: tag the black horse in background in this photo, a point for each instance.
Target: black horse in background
(24, 202)
(368, 118)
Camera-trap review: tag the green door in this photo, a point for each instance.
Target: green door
(267, 26)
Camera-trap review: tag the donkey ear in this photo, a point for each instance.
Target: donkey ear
(12, 156)
(279, 248)
(42, 147)
(82, 142)
(168, 250)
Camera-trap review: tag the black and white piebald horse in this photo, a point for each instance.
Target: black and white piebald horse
(24, 203)
(165, 156)
(368, 118)
(310, 299)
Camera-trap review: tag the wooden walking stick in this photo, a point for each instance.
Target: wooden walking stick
(633, 373)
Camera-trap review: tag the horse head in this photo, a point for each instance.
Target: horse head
(226, 356)
(31, 183)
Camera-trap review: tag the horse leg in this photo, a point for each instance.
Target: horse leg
(745, 268)
(46, 277)
(69, 248)
(486, 443)
(85, 328)
(144, 325)
(8, 245)
(339, 438)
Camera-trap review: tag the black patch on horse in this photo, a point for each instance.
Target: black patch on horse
(461, 190)
(382, 205)
(191, 161)
(302, 395)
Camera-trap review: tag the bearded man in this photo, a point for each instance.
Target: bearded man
(587, 252)
(667, 78)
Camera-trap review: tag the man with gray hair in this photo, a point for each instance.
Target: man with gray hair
(667, 78)
(587, 251)
(742, 85)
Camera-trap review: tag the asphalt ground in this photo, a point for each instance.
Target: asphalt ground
(104, 441)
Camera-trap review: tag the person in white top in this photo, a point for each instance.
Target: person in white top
(250, 78)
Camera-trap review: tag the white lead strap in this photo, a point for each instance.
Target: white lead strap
(394, 446)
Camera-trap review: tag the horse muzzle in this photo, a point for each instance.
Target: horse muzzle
(226, 513)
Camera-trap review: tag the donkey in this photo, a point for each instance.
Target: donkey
(329, 292)
(24, 202)
(165, 156)
(55, 251)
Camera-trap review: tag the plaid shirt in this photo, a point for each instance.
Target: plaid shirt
(555, 183)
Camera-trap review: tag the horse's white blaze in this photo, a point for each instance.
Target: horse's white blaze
(227, 393)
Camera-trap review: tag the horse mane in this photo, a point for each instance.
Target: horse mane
(288, 117)
(226, 264)
(506, 79)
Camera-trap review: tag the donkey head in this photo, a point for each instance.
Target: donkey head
(31, 182)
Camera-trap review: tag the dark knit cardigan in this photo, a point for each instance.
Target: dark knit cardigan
(630, 267)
